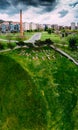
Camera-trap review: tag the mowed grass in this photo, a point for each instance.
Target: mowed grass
(14, 36)
(39, 91)
(54, 37)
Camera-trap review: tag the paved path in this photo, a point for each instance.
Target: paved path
(64, 54)
(35, 37)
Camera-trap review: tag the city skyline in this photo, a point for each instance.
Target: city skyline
(40, 11)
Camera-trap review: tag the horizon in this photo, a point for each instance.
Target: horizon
(40, 11)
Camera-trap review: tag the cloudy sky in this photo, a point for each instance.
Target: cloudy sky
(61, 12)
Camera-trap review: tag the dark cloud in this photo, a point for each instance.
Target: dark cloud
(63, 13)
(4, 4)
(47, 5)
(73, 4)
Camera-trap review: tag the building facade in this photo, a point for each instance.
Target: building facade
(73, 27)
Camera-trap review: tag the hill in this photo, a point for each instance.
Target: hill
(38, 91)
(1, 21)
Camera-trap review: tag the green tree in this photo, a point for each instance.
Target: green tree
(49, 31)
(73, 39)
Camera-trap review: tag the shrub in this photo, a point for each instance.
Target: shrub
(39, 43)
(30, 45)
(48, 41)
(73, 40)
(20, 41)
(49, 31)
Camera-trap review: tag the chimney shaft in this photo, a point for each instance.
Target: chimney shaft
(21, 27)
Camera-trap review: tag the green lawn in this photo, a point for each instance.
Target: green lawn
(54, 37)
(14, 36)
(38, 91)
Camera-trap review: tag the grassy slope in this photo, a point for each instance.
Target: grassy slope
(51, 103)
(19, 104)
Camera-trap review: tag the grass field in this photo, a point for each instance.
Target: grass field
(54, 37)
(38, 91)
(14, 36)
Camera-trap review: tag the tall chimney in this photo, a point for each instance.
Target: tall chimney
(21, 27)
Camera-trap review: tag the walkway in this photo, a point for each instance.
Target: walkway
(64, 54)
(35, 37)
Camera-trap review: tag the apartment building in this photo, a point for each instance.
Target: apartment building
(26, 26)
(73, 26)
(14, 27)
(5, 27)
(33, 26)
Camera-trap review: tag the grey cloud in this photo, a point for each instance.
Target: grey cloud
(46, 5)
(73, 4)
(63, 13)
(4, 4)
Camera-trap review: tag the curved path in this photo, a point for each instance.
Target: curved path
(35, 37)
(64, 54)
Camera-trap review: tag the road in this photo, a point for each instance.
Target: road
(35, 37)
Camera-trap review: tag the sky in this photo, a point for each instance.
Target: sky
(61, 12)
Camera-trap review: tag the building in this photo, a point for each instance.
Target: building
(40, 26)
(4, 27)
(56, 27)
(77, 25)
(26, 26)
(73, 27)
(14, 27)
(33, 26)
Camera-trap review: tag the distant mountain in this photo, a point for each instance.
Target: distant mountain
(1, 21)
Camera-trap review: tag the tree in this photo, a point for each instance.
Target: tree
(49, 31)
(73, 39)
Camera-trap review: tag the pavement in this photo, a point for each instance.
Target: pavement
(35, 37)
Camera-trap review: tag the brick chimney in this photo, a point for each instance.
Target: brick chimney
(21, 26)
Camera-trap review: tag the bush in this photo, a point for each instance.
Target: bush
(73, 40)
(49, 31)
(11, 45)
(48, 41)
(39, 43)
(30, 45)
(20, 41)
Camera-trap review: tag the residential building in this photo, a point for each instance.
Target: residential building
(33, 26)
(26, 26)
(73, 27)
